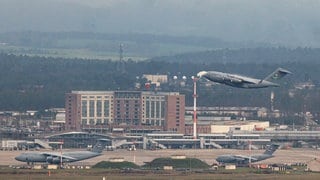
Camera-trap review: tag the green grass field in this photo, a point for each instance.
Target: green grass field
(82, 174)
(94, 46)
(67, 53)
(122, 175)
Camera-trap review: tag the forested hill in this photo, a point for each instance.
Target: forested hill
(28, 82)
(106, 45)
(245, 55)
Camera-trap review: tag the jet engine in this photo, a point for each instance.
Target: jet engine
(56, 160)
(49, 159)
(53, 160)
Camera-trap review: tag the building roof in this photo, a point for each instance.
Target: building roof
(228, 122)
(111, 92)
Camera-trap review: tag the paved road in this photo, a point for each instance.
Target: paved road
(207, 155)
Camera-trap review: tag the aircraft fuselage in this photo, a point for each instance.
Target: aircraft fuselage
(240, 160)
(55, 158)
(237, 80)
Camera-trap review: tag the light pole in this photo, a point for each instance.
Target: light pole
(195, 79)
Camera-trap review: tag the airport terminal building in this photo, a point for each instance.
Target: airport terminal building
(125, 109)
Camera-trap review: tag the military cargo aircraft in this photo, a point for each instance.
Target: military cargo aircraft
(56, 157)
(240, 81)
(240, 159)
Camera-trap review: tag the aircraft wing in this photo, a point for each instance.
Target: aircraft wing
(58, 155)
(245, 158)
(234, 79)
(241, 79)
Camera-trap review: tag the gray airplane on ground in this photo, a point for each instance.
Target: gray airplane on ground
(56, 157)
(240, 159)
(243, 81)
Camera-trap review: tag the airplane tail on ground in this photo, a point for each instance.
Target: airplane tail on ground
(271, 149)
(277, 74)
(99, 146)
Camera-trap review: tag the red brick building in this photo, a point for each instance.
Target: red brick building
(129, 109)
(175, 113)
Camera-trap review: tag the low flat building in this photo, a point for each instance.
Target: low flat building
(156, 78)
(207, 127)
(229, 111)
(227, 126)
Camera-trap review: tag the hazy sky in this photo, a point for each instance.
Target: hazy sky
(294, 22)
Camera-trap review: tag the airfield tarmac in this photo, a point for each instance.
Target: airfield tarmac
(288, 156)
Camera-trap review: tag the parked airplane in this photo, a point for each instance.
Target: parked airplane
(244, 81)
(56, 157)
(240, 159)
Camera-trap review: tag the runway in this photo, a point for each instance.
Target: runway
(282, 156)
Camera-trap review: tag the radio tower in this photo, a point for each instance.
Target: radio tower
(195, 107)
(120, 66)
(121, 52)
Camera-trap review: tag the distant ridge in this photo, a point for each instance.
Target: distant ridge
(246, 55)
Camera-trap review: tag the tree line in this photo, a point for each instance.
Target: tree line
(31, 82)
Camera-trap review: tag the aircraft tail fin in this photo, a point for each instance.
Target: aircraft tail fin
(271, 149)
(99, 146)
(277, 74)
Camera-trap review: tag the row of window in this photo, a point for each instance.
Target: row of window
(155, 98)
(135, 121)
(97, 108)
(97, 97)
(94, 122)
(155, 122)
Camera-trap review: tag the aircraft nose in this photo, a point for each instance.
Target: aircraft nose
(18, 158)
(201, 73)
(219, 159)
